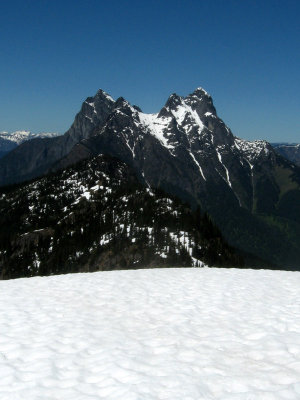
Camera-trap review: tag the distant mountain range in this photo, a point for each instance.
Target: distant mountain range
(251, 192)
(291, 151)
(9, 141)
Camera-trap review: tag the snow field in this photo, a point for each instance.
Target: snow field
(185, 334)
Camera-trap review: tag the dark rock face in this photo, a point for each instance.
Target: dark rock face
(186, 149)
(291, 151)
(35, 157)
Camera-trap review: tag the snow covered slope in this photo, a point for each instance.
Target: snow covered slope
(19, 137)
(190, 334)
(9, 141)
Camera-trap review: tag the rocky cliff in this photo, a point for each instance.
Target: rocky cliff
(251, 192)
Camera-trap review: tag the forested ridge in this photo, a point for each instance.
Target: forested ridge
(97, 216)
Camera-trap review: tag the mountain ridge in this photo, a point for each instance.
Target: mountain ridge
(187, 150)
(95, 216)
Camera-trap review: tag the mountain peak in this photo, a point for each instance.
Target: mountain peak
(103, 95)
(173, 100)
(171, 104)
(200, 92)
(189, 151)
(93, 106)
(201, 101)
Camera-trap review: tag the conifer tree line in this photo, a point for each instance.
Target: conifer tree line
(97, 216)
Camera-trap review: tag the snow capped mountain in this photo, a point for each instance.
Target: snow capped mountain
(188, 123)
(187, 150)
(291, 151)
(19, 137)
(9, 141)
(186, 131)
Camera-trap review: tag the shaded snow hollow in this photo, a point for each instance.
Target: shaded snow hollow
(151, 334)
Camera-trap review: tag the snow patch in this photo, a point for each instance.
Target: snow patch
(183, 111)
(198, 165)
(156, 126)
(226, 170)
(251, 150)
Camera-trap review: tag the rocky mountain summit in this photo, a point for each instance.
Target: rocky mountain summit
(250, 191)
(35, 158)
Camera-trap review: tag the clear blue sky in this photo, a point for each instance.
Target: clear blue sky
(246, 54)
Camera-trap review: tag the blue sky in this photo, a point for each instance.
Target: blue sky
(246, 54)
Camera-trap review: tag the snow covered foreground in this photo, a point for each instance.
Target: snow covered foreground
(151, 334)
